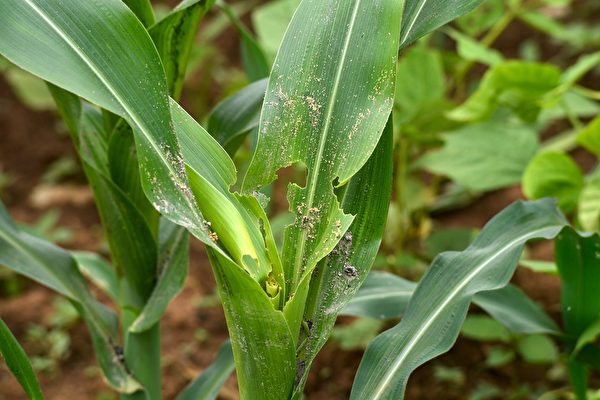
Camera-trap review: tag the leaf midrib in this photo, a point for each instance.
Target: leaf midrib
(414, 20)
(312, 184)
(382, 387)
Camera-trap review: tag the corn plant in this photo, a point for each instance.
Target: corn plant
(157, 173)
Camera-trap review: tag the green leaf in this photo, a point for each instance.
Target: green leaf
(98, 271)
(589, 137)
(538, 349)
(382, 295)
(271, 21)
(588, 207)
(207, 385)
(513, 309)
(582, 66)
(340, 275)
(544, 23)
(172, 268)
(54, 41)
(262, 344)
(589, 335)
(439, 305)
(472, 50)
(237, 115)
(420, 82)
(386, 296)
(326, 119)
(55, 268)
(484, 329)
(577, 262)
(544, 267)
(501, 151)
(174, 37)
(356, 335)
(554, 174)
(423, 16)
(143, 10)
(17, 361)
(516, 85)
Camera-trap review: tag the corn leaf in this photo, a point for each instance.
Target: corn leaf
(54, 41)
(577, 262)
(98, 271)
(386, 296)
(437, 309)
(174, 37)
(172, 269)
(55, 268)
(340, 275)
(262, 344)
(234, 117)
(143, 10)
(17, 361)
(319, 113)
(423, 16)
(207, 385)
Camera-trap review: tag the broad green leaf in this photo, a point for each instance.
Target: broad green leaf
(342, 272)
(386, 296)
(18, 363)
(437, 309)
(271, 21)
(470, 49)
(55, 268)
(538, 349)
(588, 207)
(98, 271)
(423, 16)
(172, 269)
(589, 137)
(516, 85)
(501, 150)
(54, 41)
(208, 384)
(174, 37)
(554, 174)
(484, 329)
(420, 82)
(262, 343)
(326, 119)
(237, 115)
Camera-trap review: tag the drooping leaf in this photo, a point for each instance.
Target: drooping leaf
(438, 307)
(174, 37)
(500, 149)
(423, 16)
(55, 268)
(554, 174)
(207, 385)
(172, 270)
(328, 119)
(53, 40)
(18, 363)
